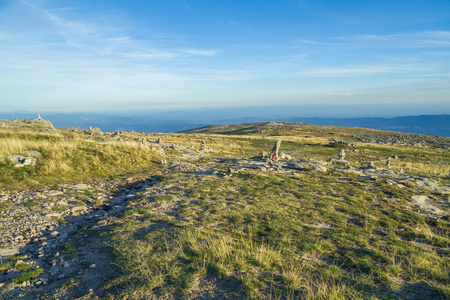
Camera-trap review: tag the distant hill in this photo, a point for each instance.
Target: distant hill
(37, 123)
(424, 124)
(176, 121)
(346, 134)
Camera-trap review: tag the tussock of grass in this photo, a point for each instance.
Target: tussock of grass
(5, 265)
(27, 276)
(23, 267)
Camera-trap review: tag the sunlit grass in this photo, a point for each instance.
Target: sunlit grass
(67, 158)
(260, 232)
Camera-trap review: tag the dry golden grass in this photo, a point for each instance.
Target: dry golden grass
(68, 157)
(16, 145)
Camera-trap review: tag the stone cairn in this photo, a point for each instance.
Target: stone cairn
(93, 130)
(342, 154)
(263, 155)
(388, 162)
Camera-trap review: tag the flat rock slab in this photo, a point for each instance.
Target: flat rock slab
(423, 202)
(320, 168)
(8, 252)
(320, 225)
(80, 186)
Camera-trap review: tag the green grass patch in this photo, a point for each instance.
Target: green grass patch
(27, 276)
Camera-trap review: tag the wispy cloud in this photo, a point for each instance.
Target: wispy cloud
(310, 42)
(352, 71)
(66, 8)
(108, 39)
(421, 39)
(199, 52)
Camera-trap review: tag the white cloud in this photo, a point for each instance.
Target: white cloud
(66, 8)
(155, 55)
(200, 52)
(311, 42)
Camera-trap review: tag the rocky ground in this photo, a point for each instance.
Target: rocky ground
(59, 229)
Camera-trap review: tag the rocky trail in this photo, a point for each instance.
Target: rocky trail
(59, 231)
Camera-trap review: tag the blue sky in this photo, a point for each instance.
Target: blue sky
(143, 55)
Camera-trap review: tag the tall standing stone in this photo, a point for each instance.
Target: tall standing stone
(276, 148)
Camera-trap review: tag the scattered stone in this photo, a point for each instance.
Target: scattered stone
(102, 223)
(320, 169)
(158, 149)
(80, 186)
(61, 203)
(8, 252)
(204, 148)
(263, 154)
(183, 166)
(21, 161)
(92, 131)
(53, 193)
(93, 266)
(340, 144)
(419, 198)
(284, 156)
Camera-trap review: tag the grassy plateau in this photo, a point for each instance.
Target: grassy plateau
(285, 233)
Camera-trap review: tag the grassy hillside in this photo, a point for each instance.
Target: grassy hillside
(69, 157)
(281, 230)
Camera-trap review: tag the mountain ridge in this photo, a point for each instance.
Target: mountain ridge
(181, 121)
